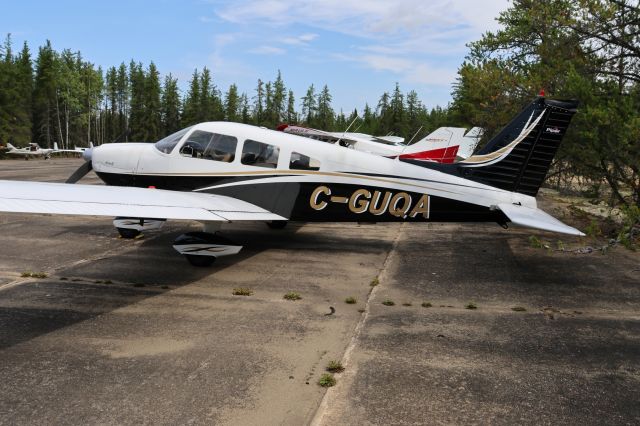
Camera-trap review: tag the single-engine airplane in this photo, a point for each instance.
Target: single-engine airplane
(33, 150)
(220, 172)
(443, 145)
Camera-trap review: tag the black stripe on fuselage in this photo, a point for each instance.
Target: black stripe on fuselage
(300, 201)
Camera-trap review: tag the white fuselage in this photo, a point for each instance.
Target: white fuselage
(338, 165)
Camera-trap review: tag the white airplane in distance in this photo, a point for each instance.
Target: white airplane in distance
(33, 150)
(76, 150)
(444, 145)
(220, 172)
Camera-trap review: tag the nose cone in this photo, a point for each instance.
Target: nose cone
(117, 157)
(87, 154)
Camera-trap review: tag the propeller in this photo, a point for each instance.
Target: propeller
(83, 169)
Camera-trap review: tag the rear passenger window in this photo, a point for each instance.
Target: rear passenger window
(260, 154)
(303, 162)
(210, 146)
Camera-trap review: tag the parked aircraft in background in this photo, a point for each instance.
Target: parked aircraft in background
(444, 145)
(75, 150)
(221, 172)
(32, 150)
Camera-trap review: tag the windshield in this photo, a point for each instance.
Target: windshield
(167, 144)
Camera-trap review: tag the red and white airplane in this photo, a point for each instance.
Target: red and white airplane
(221, 172)
(444, 145)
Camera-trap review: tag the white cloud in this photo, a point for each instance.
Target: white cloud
(301, 40)
(368, 18)
(268, 50)
(421, 41)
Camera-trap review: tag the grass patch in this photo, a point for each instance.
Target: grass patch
(327, 380)
(519, 309)
(374, 282)
(242, 291)
(97, 282)
(334, 367)
(292, 295)
(361, 310)
(350, 300)
(164, 287)
(407, 304)
(138, 285)
(29, 274)
(471, 305)
(108, 282)
(426, 304)
(388, 302)
(64, 278)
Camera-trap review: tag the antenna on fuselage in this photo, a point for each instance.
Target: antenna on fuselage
(410, 140)
(346, 130)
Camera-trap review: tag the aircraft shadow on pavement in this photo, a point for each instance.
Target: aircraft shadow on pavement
(94, 288)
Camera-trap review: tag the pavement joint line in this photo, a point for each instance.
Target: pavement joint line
(55, 269)
(332, 393)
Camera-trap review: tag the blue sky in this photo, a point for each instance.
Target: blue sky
(358, 48)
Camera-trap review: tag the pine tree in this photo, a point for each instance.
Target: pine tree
(206, 111)
(325, 117)
(170, 105)
(258, 103)
(292, 116)
(232, 104)
(44, 95)
(24, 84)
(279, 98)
(136, 113)
(123, 90)
(245, 113)
(309, 105)
(152, 105)
(190, 113)
(396, 122)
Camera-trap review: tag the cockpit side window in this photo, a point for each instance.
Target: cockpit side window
(260, 154)
(167, 144)
(210, 146)
(303, 162)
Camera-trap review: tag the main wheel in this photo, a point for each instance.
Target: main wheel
(128, 233)
(277, 224)
(200, 261)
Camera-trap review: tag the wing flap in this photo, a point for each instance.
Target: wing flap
(99, 200)
(536, 218)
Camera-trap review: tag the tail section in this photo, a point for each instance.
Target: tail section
(470, 142)
(55, 146)
(10, 146)
(519, 157)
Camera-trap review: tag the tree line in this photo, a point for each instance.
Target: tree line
(61, 97)
(587, 50)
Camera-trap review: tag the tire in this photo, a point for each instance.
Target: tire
(277, 224)
(128, 233)
(200, 261)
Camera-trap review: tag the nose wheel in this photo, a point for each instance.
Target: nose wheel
(131, 227)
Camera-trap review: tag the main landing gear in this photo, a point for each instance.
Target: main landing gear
(203, 248)
(199, 248)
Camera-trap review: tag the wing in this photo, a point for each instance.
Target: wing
(100, 200)
(536, 218)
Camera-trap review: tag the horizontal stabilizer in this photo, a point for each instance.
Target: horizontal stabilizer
(100, 200)
(536, 218)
